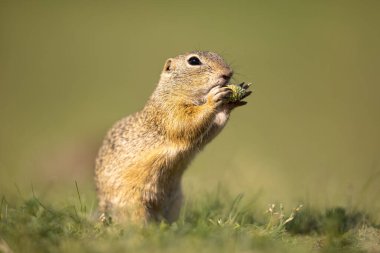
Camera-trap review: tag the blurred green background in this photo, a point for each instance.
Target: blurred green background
(70, 69)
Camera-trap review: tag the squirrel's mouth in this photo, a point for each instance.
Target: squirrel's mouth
(222, 81)
(225, 78)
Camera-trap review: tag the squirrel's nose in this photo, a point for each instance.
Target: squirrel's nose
(227, 76)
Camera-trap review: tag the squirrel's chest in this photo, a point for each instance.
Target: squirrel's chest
(166, 171)
(177, 155)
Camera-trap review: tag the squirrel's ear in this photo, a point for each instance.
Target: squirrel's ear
(169, 66)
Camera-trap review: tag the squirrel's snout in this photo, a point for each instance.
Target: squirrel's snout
(227, 76)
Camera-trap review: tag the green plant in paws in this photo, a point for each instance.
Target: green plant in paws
(239, 91)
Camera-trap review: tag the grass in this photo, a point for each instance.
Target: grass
(209, 223)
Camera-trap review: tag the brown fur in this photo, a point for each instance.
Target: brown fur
(142, 159)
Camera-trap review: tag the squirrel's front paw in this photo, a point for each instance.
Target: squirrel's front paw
(219, 95)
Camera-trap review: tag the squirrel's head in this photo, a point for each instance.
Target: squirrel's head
(195, 71)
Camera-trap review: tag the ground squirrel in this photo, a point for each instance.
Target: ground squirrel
(140, 164)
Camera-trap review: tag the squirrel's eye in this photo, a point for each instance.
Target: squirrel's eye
(194, 61)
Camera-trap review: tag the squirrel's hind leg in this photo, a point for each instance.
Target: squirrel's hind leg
(174, 207)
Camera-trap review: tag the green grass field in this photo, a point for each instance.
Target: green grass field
(213, 222)
(308, 135)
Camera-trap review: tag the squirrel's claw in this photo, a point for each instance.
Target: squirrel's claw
(233, 105)
(244, 85)
(240, 103)
(246, 94)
